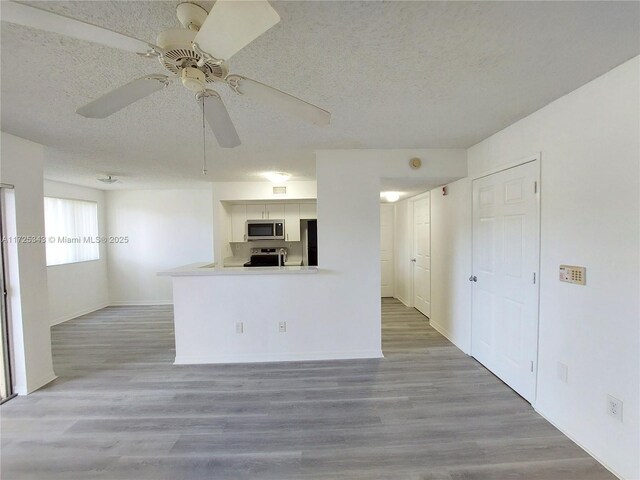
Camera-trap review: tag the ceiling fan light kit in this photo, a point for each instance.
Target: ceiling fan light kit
(198, 53)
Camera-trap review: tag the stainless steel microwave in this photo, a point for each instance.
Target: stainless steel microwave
(265, 230)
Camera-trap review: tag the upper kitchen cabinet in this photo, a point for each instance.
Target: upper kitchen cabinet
(274, 211)
(308, 211)
(270, 211)
(290, 212)
(238, 221)
(292, 222)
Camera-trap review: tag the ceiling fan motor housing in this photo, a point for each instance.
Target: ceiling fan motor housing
(179, 54)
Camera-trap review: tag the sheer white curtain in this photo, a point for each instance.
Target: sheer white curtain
(71, 227)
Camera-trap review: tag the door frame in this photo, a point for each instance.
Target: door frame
(5, 328)
(537, 158)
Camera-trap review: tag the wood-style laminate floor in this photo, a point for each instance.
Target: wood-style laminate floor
(121, 410)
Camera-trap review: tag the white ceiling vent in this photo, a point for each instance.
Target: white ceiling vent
(279, 190)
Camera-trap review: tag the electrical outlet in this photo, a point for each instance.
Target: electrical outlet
(563, 372)
(239, 327)
(614, 407)
(282, 327)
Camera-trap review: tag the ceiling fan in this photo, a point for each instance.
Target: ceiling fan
(197, 53)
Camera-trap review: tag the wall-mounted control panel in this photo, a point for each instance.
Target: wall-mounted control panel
(573, 274)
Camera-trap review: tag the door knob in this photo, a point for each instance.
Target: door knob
(413, 260)
(473, 278)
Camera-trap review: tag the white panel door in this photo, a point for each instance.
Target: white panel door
(386, 250)
(504, 332)
(422, 255)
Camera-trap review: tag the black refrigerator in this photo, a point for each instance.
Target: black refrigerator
(312, 242)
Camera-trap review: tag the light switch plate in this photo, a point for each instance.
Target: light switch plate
(573, 274)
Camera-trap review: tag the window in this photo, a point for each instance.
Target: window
(71, 227)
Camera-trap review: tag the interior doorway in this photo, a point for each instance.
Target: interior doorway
(6, 381)
(506, 259)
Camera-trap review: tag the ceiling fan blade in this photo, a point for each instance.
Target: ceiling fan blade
(218, 119)
(233, 24)
(278, 99)
(14, 12)
(122, 96)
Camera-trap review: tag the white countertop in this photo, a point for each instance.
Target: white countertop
(208, 269)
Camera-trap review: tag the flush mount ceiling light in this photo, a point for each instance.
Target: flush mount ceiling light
(108, 180)
(391, 196)
(277, 177)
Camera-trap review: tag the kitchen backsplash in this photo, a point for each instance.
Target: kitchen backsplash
(243, 249)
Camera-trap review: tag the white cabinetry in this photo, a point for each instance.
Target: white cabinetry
(308, 211)
(291, 213)
(238, 220)
(274, 211)
(292, 222)
(255, 212)
(270, 211)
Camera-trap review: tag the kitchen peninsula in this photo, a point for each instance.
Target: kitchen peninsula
(242, 314)
(225, 314)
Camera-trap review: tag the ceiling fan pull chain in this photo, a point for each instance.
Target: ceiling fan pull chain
(204, 142)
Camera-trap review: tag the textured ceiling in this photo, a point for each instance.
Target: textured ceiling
(393, 74)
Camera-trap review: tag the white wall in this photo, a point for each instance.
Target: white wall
(451, 262)
(21, 165)
(348, 208)
(78, 288)
(590, 150)
(166, 229)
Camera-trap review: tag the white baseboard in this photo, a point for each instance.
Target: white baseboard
(404, 302)
(141, 303)
(71, 316)
(446, 334)
(276, 357)
(596, 457)
(23, 390)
